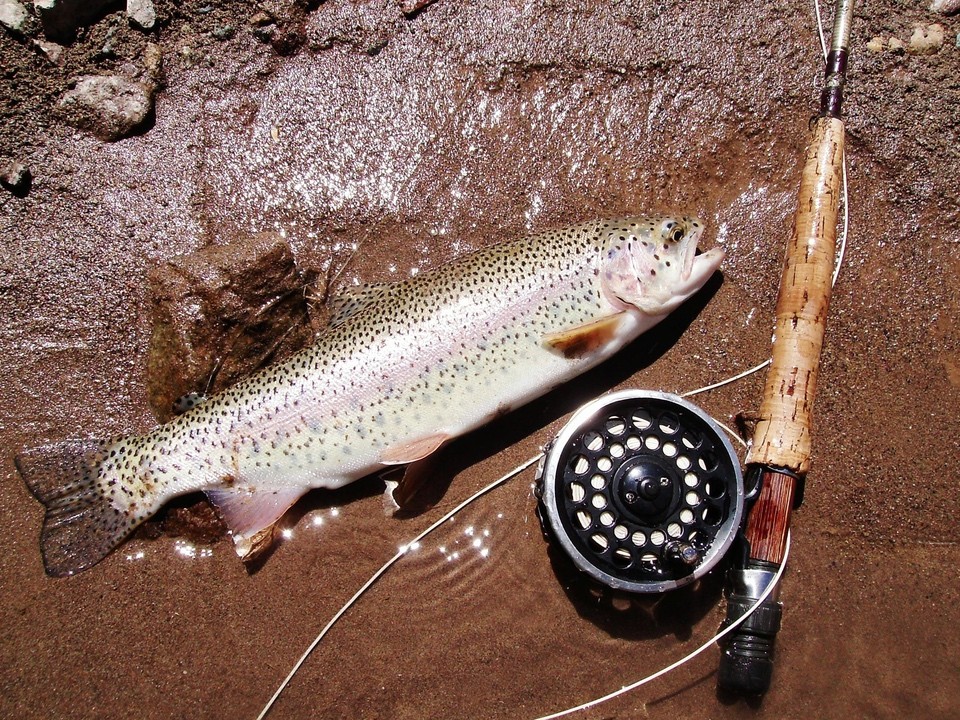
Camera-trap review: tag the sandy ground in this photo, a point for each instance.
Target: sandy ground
(420, 138)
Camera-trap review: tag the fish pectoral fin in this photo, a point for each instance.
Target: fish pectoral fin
(354, 299)
(584, 340)
(251, 515)
(414, 450)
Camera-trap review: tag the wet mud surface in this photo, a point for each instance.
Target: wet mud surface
(415, 138)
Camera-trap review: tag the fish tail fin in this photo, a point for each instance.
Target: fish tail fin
(82, 524)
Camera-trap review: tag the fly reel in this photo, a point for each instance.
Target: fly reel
(642, 490)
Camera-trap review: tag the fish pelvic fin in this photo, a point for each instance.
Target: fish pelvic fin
(82, 523)
(400, 493)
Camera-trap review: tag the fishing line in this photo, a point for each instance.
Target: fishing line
(734, 378)
(386, 566)
(685, 659)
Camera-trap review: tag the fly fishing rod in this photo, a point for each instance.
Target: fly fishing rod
(779, 457)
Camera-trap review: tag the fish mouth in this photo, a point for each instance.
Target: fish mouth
(698, 265)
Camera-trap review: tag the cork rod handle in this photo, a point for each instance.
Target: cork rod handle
(782, 435)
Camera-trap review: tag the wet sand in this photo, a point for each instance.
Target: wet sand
(419, 138)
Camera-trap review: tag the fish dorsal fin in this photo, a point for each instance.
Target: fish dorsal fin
(584, 340)
(250, 514)
(354, 299)
(414, 450)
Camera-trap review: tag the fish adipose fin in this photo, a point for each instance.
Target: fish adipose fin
(585, 340)
(82, 525)
(251, 515)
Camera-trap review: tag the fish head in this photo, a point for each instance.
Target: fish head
(653, 264)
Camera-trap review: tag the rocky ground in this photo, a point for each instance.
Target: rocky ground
(151, 154)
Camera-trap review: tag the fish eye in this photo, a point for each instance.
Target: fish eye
(677, 234)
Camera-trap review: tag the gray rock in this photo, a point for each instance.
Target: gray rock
(61, 18)
(142, 13)
(109, 106)
(13, 16)
(51, 50)
(16, 177)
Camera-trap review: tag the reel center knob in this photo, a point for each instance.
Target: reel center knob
(650, 487)
(646, 488)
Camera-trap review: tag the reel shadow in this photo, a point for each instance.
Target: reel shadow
(634, 616)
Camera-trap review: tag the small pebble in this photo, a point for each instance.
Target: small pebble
(16, 177)
(109, 106)
(142, 13)
(926, 40)
(947, 7)
(411, 6)
(876, 45)
(264, 33)
(108, 50)
(224, 32)
(261, 19)
(153, 61)
(13, 16)
(188, 56)
(51, 50)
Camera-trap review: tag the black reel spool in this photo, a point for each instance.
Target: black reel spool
(642, 490)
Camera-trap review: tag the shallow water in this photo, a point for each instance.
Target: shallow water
(474, 124)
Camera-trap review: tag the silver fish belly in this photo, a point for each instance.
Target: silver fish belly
(402, 369)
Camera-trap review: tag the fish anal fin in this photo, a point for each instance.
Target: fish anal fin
(584, 340)
(81, 525)
(251, 513)
(414, 450)
(354, 299)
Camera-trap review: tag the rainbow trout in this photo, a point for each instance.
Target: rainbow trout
(402, 368)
